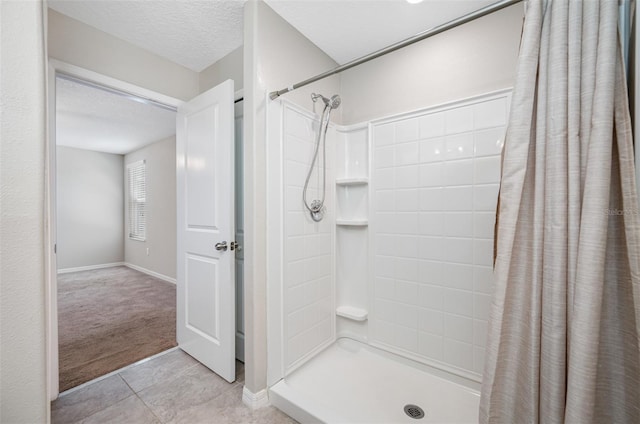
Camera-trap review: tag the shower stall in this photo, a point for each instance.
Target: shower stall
(378, 312)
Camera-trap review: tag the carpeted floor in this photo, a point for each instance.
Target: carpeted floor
(109, 318)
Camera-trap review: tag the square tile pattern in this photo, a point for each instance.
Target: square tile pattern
(171, 388)
(308, 266)
(435, 184)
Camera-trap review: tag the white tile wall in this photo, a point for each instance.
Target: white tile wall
(435, 185)
(308, 266)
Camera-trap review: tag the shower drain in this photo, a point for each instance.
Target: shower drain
(414, 411)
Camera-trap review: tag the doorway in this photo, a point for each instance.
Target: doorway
(116, 238)
(108, 84)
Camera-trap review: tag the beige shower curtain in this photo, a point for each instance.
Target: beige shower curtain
(563, 344)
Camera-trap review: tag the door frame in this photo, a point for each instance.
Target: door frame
(51, 284)
(54, 68)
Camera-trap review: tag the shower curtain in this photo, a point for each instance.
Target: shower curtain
(563, 343)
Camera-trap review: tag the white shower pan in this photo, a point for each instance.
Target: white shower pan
(351, 382)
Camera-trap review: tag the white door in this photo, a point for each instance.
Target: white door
(205, 196)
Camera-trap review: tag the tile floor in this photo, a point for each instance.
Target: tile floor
(171, 388)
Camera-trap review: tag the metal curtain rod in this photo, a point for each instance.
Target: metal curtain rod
(404, 43)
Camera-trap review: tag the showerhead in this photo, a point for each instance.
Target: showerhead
(332, 103)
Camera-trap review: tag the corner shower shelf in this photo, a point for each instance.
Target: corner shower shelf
(351, 312)
(351, 181)
(352, 222)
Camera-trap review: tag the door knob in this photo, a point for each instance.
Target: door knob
(221, 246)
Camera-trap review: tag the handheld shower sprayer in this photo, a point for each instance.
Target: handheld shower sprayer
(332, 103)
(316, 208)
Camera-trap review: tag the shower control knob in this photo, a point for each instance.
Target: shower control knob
(222, 246)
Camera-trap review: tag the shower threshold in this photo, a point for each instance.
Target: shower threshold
(351, 382)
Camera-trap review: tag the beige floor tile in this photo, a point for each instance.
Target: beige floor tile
(171, 398)
(80, 404)
(157, 370)
(130, 410)
(229, 409)
(172, 388)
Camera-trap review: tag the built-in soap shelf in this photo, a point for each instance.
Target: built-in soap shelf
(352, 201)
(352, 181)
(352, 187)
(352, 222)
(352, 313)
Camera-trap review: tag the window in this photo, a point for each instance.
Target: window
(136, 176)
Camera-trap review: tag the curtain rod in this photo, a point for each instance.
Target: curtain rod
(404, 43)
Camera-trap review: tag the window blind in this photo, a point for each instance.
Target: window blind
(136, 176)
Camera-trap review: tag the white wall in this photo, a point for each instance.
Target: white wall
(90, 205)
(79, 44)
(469, 60)
(275, 56)
(23, 397)
(229, 67)
(160, 164)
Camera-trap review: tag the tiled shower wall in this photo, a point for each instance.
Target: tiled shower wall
(308, 246)
(435, 184)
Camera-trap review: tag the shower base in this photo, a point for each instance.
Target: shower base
(351, 382)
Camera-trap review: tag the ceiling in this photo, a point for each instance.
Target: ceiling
(93, 119)
(348, 29)
(192, 33)
(197, 33)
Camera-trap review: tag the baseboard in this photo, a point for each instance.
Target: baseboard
(89, 268)
(255, 400)
(151, 273)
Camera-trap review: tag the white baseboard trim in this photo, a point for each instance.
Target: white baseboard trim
(255, 400)
(89, 268)
(151, 273)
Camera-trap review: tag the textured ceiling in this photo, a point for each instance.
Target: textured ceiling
(192, 33)
(197, 33)
(348, 29)
(93, 119)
